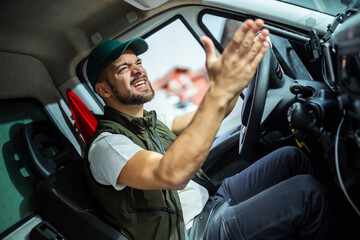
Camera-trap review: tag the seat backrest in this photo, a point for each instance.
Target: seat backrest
(62, 196)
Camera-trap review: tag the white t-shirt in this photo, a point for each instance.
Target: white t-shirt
(118, 149)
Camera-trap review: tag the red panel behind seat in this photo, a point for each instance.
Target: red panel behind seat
(84, 119)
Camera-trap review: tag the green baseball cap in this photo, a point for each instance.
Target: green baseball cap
(107, 52)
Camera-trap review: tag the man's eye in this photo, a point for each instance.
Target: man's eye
(123, 69)
(139, 63)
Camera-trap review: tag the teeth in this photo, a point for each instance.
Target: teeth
(139, 83)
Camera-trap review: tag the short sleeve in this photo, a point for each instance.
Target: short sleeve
(108, 154)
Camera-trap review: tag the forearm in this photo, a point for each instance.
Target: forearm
(186, 155)
(180, 123)
(232, 105)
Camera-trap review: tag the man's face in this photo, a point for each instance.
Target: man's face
(128, 80)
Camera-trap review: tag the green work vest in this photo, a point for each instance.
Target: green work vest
(139, 214)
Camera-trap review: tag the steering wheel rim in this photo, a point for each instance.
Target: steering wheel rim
(253, 106)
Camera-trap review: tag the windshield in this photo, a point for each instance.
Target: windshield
(331, 7)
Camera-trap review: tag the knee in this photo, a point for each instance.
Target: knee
(306, 182)
(296, 159)
(292, 152)
(310, 191)
(315, 205)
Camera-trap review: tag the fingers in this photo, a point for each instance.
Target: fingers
(237, 64)
(250, 37)
(258, 45)
(260, 54)
(244, 36)
(209, 49)
(268, 40)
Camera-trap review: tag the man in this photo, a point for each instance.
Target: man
(146, 180)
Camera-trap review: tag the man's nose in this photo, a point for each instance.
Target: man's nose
(136, 69)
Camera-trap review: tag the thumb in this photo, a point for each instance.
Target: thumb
(209, 49)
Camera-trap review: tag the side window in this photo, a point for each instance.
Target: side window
(223, 29)
(175, 63)
(16, 180)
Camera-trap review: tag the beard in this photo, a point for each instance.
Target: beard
(132, 98)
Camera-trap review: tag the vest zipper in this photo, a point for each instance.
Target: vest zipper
(162, 151)
(177, 214)
(158, 139)
(149, 135)
(159, 143)
(160, 146)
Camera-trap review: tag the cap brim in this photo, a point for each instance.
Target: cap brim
(138, 45)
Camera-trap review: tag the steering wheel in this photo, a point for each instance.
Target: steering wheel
(253, 106)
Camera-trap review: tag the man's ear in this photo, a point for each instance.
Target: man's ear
(103, 90)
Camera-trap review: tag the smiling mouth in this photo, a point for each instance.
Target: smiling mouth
(139, 83)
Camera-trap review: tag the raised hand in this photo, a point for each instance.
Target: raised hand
(233, 70)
